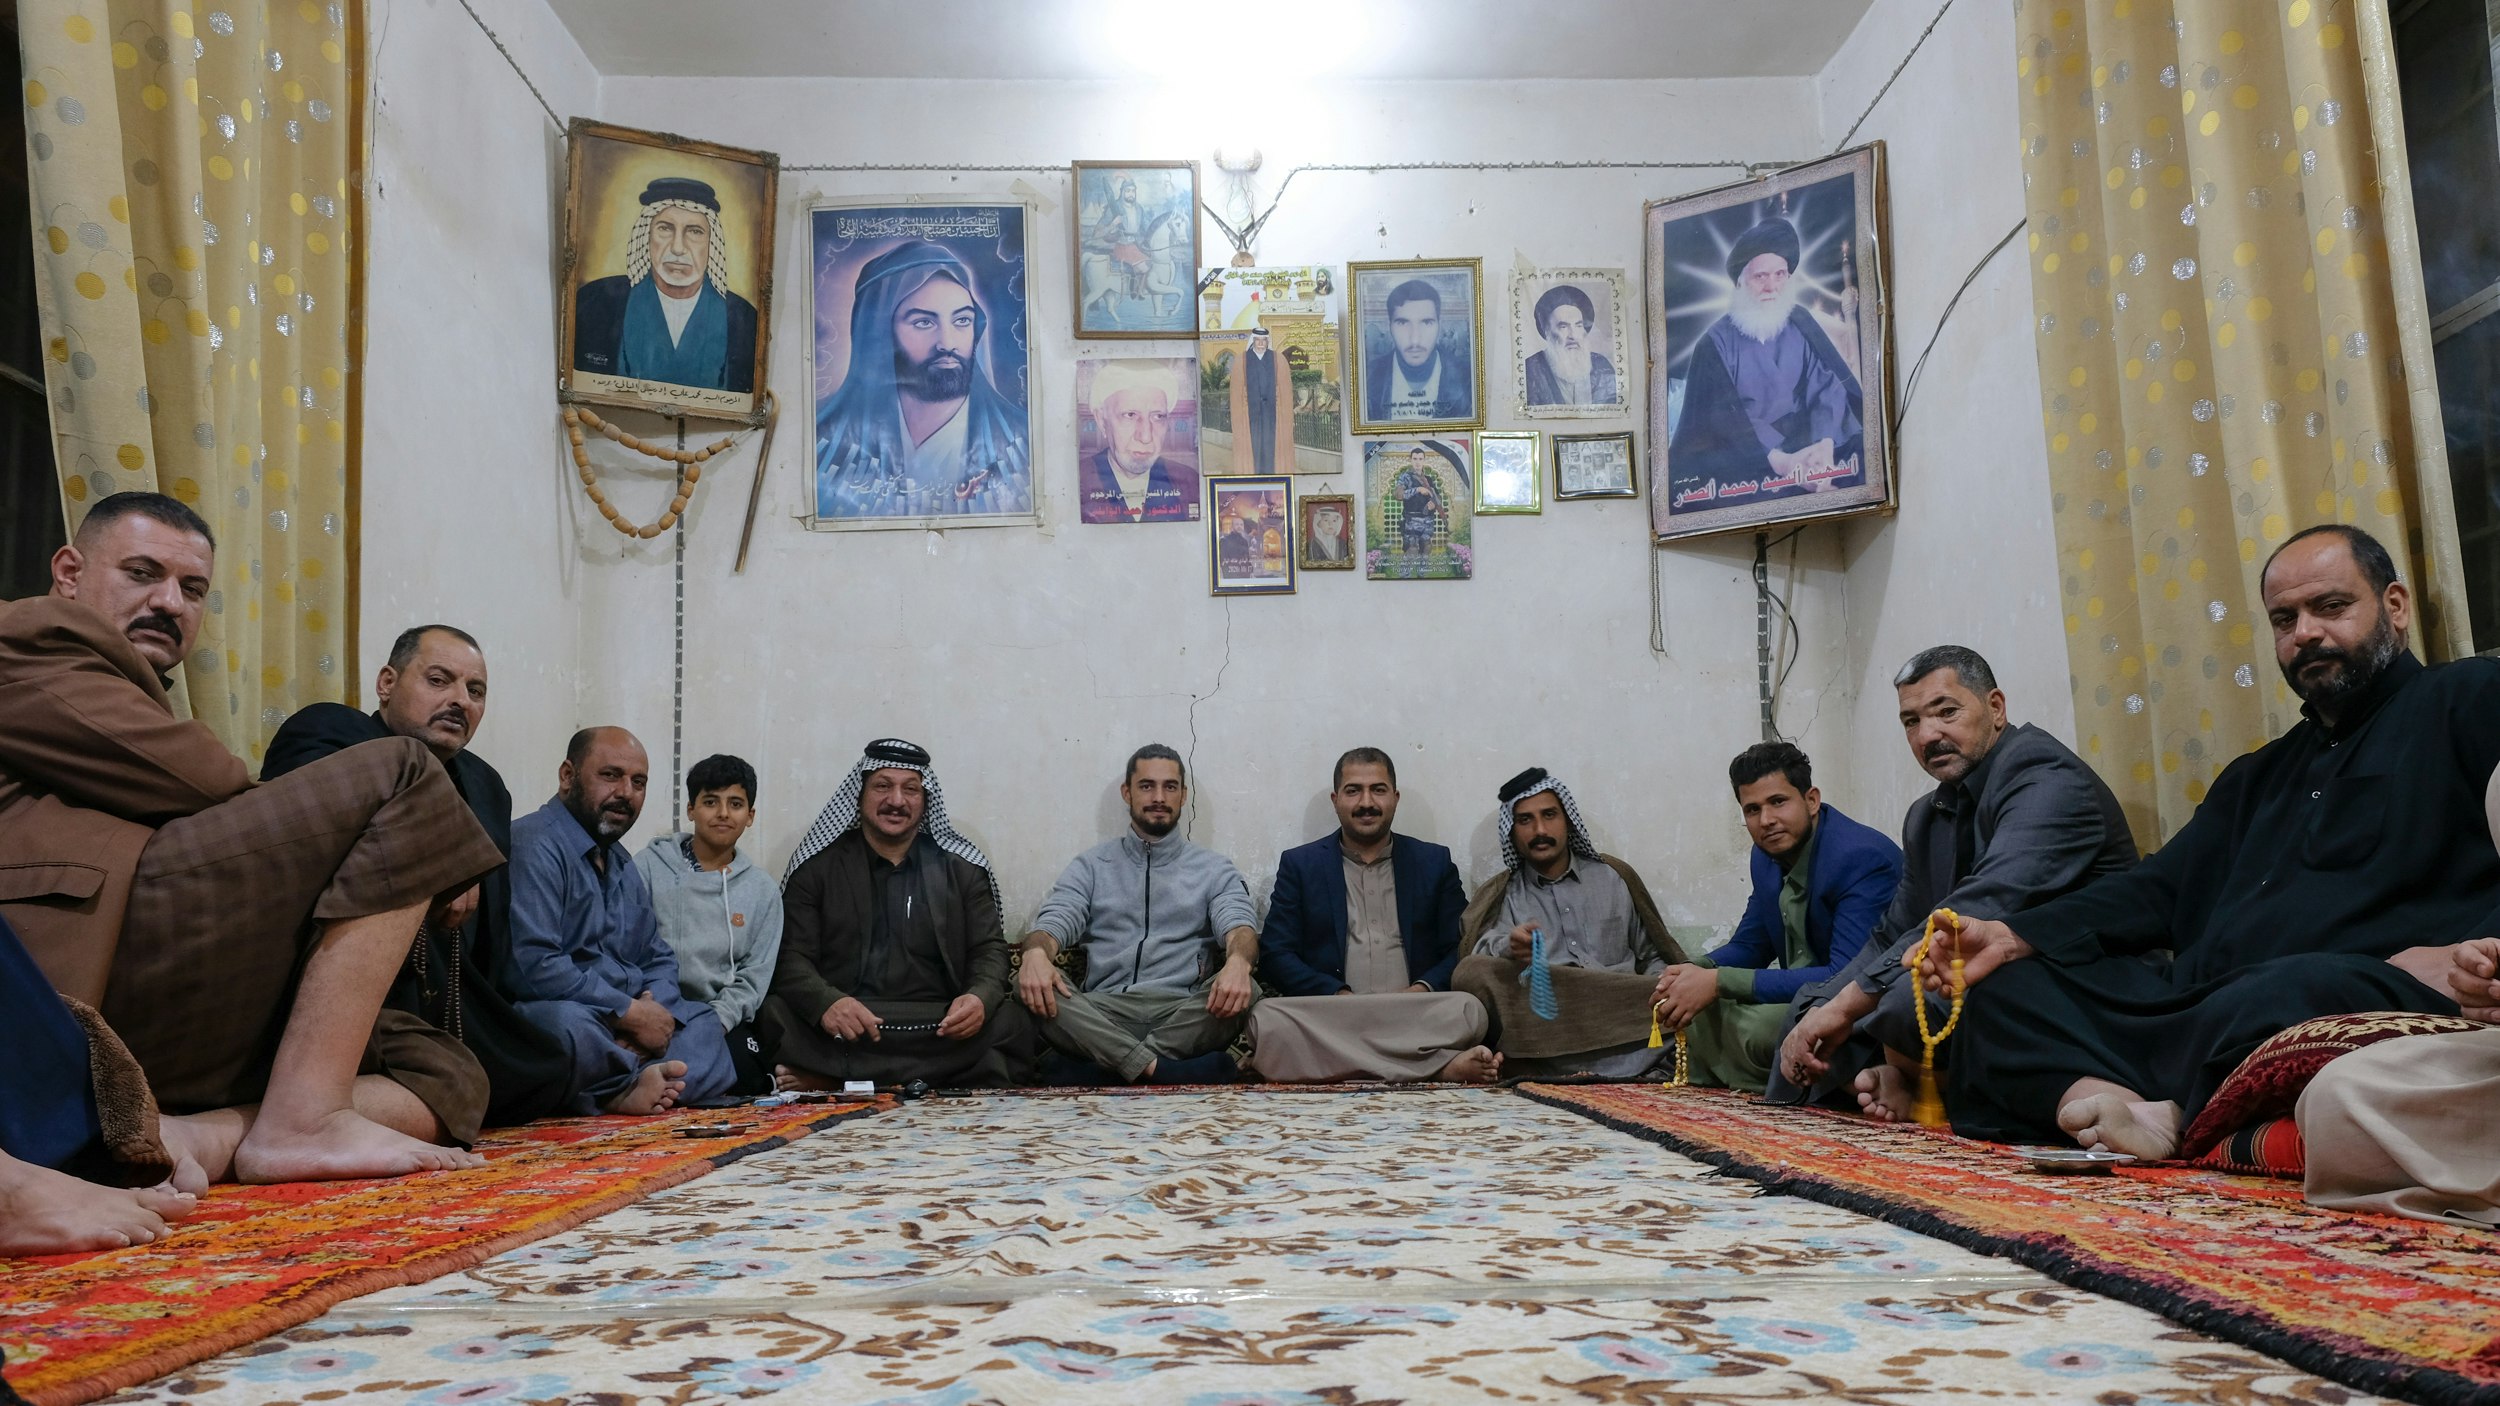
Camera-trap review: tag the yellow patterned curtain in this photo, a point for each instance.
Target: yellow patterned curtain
(2219, 359)
(191, 170)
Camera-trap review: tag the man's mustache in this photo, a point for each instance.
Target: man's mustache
(2320, 654)
(1543, 842)
(457, 717)
(1367, 814)
(158, 621)
(1938, 751)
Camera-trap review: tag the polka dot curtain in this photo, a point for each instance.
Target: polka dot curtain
(2219, 357)
(190, 168)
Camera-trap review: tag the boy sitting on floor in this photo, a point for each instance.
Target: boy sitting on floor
(717, 911)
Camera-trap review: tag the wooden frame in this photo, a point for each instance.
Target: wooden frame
(1096, 254)
(607, 169)
(1631, 466)
(1225, 579)
(1522, 466)
(1306, 541)
(1370, 283)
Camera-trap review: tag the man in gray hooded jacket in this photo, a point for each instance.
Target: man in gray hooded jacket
(1166, 931)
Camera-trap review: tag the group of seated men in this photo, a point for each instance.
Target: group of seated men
(351, 966)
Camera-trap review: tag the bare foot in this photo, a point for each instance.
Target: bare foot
(1884, 1094)
(44, 1212)
(341, 1146)
(1476, 1066)
(203, 1145)
(654, 1090)
(799, 1081)
(2113, 1123)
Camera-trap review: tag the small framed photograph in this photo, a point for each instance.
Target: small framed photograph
(1137, 439)
(1509, 472)
(1327, 536)
(1418, 343)
(1416, 520)
(1567, 344)
(1250, 535)
(1594, 466)
(1136, 242)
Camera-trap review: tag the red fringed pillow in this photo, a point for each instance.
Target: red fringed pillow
(2268, 1083)
(2269, 1149)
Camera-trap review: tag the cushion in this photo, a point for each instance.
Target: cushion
(2269, 1082)
(2272, 1148)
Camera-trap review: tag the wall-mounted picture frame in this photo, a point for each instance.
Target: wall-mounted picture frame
(1326, 541)
(1789, 269)
(668, 273)
(1595, 466)
(1250, 531)
(1418, 497)
(1137, 439)
(1418, 348)
(1570, 353)
(1510, 472)
(920, 368)
(1134, 230)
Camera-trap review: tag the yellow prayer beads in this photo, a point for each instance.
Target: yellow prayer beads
(1683, 1051)
(1927, 1105)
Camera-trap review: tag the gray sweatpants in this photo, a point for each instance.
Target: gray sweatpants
(1124, 1031)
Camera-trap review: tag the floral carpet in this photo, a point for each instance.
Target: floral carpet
(1229, 1248)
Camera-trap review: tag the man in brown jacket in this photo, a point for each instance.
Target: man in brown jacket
(238, 938)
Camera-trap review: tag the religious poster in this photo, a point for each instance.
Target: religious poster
(1418, 344)
(1231, 299)
(1770, 350)
(1137, 439)
(1567, 344)
(1250, 536)
(1274, 397)
(1327, 536)
(1136, 242)
(1417, 522)
(668, 273)
(920, 362)
(1594, 466)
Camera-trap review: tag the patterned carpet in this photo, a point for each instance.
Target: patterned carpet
(1230, 1248)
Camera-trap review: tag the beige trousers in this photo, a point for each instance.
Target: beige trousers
(1399, 1036)
(2408, 1127)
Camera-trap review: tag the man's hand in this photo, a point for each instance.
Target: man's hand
(1038, 982)
(453, 913)
(847, 1019)
(1683, 991)
(2474, 979)
(1522, 942)
(646, 1025)
(964, 1018)
(1805, 1054)
(1233, 990)
(1985, 945)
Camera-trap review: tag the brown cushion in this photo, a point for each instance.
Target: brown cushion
(2268, 1083)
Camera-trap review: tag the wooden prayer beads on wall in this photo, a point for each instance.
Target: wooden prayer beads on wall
(689, 464)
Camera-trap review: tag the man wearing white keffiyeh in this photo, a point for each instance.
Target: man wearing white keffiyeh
(893, 962)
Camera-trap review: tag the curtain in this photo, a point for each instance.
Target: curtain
(2220, 361)
(191, 172)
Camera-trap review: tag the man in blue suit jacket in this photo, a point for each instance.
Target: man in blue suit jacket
(1821, 881)
(1363, 928)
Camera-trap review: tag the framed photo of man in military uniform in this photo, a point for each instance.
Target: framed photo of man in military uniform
(668, 273)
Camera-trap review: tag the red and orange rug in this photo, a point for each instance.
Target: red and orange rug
(2403, 1308)
(257, 1260)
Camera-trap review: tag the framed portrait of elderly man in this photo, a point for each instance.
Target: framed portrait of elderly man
(1770, 350)
(1567, 344)
(1136, 241)
(1137, 439)
(1327, 536)
(920, 366)
(1250, 535)
(1418, 343)
(668, 273)
(1417, 493)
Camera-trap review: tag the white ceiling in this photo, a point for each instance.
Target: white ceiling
(1217, 42)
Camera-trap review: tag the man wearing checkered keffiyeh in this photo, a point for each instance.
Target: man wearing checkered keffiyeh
(893, 961)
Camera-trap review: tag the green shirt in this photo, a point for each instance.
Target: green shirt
(1737, 982)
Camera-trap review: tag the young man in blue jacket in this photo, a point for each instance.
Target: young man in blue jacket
(1821, 881)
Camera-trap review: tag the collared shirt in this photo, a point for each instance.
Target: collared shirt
(1796, 950)
(1375, 960)
(1586, 914)
(583, 928)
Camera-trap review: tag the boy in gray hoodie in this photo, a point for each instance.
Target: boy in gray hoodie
(718, 911)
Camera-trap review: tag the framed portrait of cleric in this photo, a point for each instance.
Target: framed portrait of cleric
(920, 366)
(1250, 535)
(1135, 237)
(1567, 343)
(1770, 350)
(1137, 439)
(1594, 466)
(1326, 541)
(668, 273)
(1274, 398)
(1509, 471)
(1417, 521)
(1418, 344)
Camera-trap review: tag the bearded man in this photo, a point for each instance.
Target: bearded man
(670, 316)
(1569, 371)
(2345, 867)
(1769, 401)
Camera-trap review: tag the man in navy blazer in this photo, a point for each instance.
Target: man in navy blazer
(1821, 882)
(1363, 926)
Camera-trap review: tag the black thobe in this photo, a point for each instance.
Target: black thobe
(2312, 861)
(1258, 376)
(527, 1071)
(904, 940)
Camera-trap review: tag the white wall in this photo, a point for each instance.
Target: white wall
(469, 515)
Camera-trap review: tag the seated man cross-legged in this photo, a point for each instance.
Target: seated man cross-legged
(720, 914)
(588, 961)
(2345, 867)
(1361, 937)
(1166, 931)
(1820, 883)
(893, 964)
